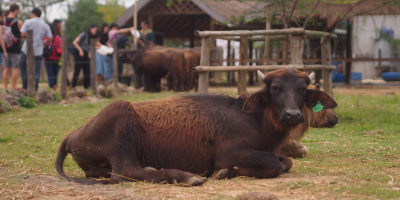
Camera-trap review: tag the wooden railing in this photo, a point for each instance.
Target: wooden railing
(296, 62)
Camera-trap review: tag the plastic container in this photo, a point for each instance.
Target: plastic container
(355, 76)
(391, 76)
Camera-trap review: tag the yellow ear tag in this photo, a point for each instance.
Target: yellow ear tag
(318, 107)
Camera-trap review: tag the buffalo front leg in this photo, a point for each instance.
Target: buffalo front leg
(124, 170)
(251, 163)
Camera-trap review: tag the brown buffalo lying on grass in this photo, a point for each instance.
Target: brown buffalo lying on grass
(199, 134)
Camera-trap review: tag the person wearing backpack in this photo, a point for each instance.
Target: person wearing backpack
(40, 29)
(14, 51)
(82, 60)
(52, 55)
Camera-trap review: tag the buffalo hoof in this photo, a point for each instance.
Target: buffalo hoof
(194, 181)
(148, 168)
(221, 174)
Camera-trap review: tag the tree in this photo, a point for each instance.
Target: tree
(26, 6)
(81, 15)
(112, 10)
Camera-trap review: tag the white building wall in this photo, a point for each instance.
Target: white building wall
(365, 32)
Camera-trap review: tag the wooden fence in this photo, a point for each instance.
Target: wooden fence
(294, 34)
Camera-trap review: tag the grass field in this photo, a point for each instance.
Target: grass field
(357, 159)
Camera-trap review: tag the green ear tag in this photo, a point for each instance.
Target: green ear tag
(318, 107)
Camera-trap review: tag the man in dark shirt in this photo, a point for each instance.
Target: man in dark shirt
(14, 52)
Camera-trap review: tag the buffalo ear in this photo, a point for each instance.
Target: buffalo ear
(256, 102)
(313, 96)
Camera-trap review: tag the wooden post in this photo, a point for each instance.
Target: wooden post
(135, 25)
(243, 60)
(267, 27)
(192, 28)
(93, 66)
(349, 52)
(233, 64)
(284, 51)
(150, 21)
(251, 74)
(228, 56)
(115, 60)
(326, 58)
(204, 61)
(296, 50)
(30, 64)
(64, 68)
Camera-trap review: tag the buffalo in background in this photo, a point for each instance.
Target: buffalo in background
(155, 62)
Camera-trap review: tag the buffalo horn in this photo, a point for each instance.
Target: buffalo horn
(260, 74)
(312, 75)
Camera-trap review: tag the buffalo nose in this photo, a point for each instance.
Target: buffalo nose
(293, 113)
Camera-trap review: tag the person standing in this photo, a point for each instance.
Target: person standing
(3, 49)
(82, 44)
(113, 34)
(52, 61)
(40, 30)
(14, 52)
(101, 59)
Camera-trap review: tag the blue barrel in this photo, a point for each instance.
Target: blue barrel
(391, 76)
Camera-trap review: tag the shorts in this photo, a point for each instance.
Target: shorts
(12, 61)
(1, 58)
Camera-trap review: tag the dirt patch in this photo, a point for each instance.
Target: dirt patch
(50, 187)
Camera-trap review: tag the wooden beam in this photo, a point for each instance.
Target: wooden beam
(205, 61)
(64, 64)
(30, 64)
(267, 37)
(261, 67)
(293, 31)
(251, 74)
(327, 60)
(243, 61)
(228, 55)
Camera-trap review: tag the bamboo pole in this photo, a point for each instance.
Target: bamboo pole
(64, 65)
(93, 66)
(115, 60)
(327, 60)
(243, 60)
(202, 69)
(204, 61)
(293, 31)
(30, 64)
(309, 34)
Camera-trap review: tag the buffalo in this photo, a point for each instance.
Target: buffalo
(212, 135)
(154, 64)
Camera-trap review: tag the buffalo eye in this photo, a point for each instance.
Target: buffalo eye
(303, 89)
(275, 88)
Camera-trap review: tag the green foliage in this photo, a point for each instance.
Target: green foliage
(81, 14)
(57, 96)
(27, 102)
(5, 106)
(6, 139)
(111, 11)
